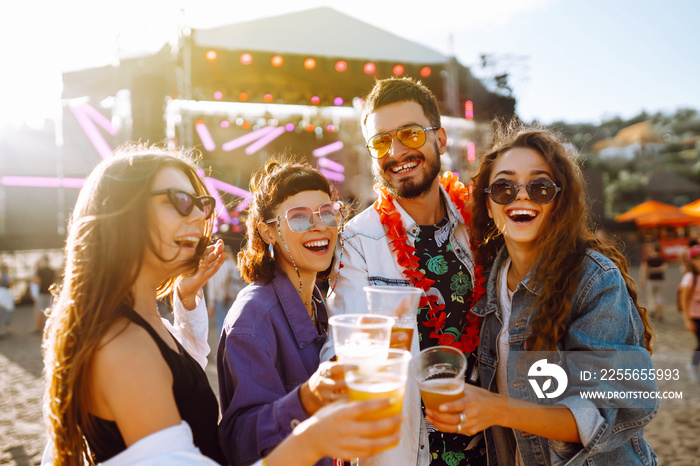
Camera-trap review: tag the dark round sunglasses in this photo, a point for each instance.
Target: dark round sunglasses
(301, 219)
(541, 191)
(411, 136)
(184, 202)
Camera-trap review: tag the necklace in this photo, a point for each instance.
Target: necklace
(517, 276)
(406, 259)
(313, 305)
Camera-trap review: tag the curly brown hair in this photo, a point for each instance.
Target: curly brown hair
(280, 178)
(562, 243)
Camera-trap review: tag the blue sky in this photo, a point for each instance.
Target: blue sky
(569, 60)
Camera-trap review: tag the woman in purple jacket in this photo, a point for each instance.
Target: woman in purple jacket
(268, 358)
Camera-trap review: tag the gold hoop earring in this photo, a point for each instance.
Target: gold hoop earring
(493, 233)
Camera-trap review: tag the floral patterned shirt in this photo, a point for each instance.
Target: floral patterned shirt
(453, 286)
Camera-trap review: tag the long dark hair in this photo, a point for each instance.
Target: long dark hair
(562, 242)
(108, 234)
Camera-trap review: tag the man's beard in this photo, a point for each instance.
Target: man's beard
(411, 189)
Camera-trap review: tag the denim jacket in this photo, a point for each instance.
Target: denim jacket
(368, 260)
(602, 318)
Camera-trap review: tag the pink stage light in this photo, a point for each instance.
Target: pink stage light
(218, 95)
(471, 152)
(205, 135)
(228, 188)
(331, 165)
(220, 207)
(99, 118)
(370, 68)
(341, 65)
(469, 110)
(224, 124)
(398, 70)
(244, 203)
(327, 149)
(338, 101)
(333, 176)
(87, 116)
(290, 126)
(265, 140)
(42, 182)
(245, 139)
(315, 100)
(236, 191)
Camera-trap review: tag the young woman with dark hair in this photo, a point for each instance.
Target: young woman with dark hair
(116, 372)
(268, 359)
(553, 287)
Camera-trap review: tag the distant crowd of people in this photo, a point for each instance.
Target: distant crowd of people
(39, 289)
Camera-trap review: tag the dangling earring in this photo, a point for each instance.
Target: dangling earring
(493, 233)
(271, 248)
(279, 233)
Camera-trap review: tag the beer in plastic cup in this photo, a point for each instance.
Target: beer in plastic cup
(381, 379)
(400, 302)
(361, 337)
(439, 372)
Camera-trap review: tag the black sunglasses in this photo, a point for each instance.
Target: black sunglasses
(411, 136)
(541, 191)
(184, 202)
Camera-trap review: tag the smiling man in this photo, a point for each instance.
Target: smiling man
(414, 235)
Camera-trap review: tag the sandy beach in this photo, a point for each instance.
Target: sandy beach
(674, 433)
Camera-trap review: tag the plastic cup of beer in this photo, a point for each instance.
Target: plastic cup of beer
(439, 372)
(361, 337)
(381, 379)
(400, 302)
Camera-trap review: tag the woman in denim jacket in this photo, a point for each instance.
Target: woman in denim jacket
(569, 306)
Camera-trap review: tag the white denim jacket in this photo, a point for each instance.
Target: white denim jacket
(368, 260)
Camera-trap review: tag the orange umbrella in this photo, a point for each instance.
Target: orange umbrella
(655, 213)
(692, 209)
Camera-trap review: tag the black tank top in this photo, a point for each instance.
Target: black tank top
(194, 397)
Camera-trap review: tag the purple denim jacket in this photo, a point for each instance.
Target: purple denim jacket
(268, 348)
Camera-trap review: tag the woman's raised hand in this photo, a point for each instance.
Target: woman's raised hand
(477, 410)
(191, 285)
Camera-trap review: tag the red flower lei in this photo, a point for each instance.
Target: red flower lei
(405, 257)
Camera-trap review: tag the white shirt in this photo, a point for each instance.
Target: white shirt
(505, 299)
